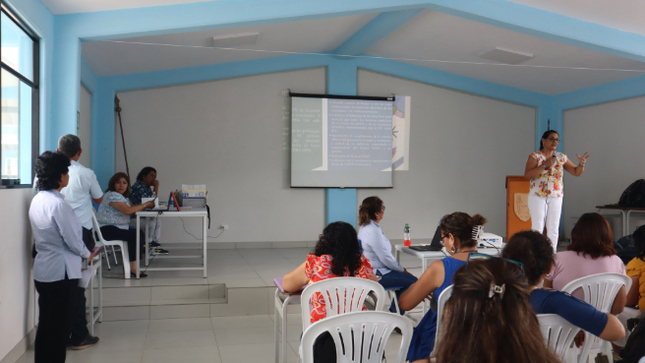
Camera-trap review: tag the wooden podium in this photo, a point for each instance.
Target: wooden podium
(518, 217)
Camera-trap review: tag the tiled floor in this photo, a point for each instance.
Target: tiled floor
(214, 340)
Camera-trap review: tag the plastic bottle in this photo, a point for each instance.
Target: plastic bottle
(171, 204)
(406, 236)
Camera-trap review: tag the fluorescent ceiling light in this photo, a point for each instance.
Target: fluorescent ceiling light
(232, 40)
(505, 55)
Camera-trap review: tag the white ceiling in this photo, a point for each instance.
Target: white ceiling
(108, 58)
(430, 36)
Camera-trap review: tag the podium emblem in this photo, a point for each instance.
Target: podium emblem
(521, 206)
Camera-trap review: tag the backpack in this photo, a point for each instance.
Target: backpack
(635, 348)
(626, 249)
(634, 195)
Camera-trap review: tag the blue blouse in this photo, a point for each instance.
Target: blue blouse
(573, 310)
(108, 216)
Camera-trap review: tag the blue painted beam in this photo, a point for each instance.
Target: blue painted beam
(375, 30)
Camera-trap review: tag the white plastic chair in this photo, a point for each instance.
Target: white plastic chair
(121, 244)
(341, 295)
(360, 336)
(558, 333)
(441, 302)
(600, 291)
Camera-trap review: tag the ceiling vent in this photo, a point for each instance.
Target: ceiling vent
(505, 55)
(233, 40)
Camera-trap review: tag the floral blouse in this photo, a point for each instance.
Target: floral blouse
(318, 268)
(108, 216)
(549, 183)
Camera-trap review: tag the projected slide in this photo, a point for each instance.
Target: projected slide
(341, 143)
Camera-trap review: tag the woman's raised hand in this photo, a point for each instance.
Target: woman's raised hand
(582, 159)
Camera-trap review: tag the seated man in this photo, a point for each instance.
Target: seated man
(147, 186)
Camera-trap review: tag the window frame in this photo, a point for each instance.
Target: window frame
(35, 97)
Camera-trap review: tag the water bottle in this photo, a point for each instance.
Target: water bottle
(171, 204)
(406, 236)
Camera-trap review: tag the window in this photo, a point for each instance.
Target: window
(19, 94)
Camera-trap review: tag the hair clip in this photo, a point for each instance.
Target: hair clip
(477, 231)
(496, 289)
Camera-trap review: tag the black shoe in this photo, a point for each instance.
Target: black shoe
(154, 244)
(91, 340)
(159, 251)
(132, 274)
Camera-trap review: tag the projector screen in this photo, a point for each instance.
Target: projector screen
(341, 142)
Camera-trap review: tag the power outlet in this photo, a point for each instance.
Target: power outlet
(223, 226)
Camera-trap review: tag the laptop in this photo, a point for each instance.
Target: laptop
(434, 246)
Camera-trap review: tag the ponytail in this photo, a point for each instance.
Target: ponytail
(463, 227)
(368, 209)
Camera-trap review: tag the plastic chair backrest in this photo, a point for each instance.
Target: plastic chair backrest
(341, 295)
(600, 291)
(97, 229)
(557, 332)
(359, 336)
(441, 302)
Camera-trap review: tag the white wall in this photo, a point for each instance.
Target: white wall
(462, 147)
(16, 282)
(84, 130)
(233, 136)
(613, 134)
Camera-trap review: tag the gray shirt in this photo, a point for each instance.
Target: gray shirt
(58, 235)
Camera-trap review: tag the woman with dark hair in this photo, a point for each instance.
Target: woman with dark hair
(459, 234)
(534, 250)
(544, 168)
(489, 319)
(378, 249)
(147, 186)
(58, 237)
(591, 251)
(337, 253)
(114, 216)
(636, 270)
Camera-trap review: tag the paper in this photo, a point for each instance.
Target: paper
(86, 276)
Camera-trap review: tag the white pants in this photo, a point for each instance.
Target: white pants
(546, 210)
(154, 228)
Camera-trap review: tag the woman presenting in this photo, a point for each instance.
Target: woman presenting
(544, 170)
(378, 249)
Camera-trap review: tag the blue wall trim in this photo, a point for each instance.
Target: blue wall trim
(88, 78)
(375, 30)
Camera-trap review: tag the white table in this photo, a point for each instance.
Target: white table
(282, 301)
(195, 212)
(427, 257)
(96, 314)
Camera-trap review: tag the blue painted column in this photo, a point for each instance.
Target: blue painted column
(66, 83)
(341, 202)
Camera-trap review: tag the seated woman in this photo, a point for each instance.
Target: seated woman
(636, 270)
(114, 216)
(488, 318)
(459, 233)
(534, 250)
(337, 253)
(591, 252)
(378, 249)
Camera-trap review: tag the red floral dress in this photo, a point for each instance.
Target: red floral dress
(549, 183)
(318, 268)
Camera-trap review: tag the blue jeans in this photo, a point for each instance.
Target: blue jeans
(396, 279)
